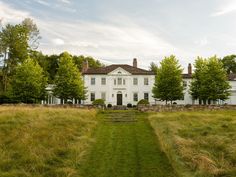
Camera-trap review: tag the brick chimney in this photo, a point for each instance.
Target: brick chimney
(189, 69)
(135, 63)
(85, 66)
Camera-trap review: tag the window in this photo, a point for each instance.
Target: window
(103, 81)
(135, 96)
(185, 84)
(135, 81)
(146, 96)
(114, 81)
(119, 81)
(123, 81)
(92, 96)
(145, 81)
(103, 96)
(92, 81)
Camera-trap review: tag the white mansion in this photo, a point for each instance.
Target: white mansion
(121, 84)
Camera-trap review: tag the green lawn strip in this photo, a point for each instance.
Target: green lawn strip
(125, 149)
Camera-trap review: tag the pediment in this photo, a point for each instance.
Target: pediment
(119, 71)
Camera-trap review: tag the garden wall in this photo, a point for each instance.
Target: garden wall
(173, 108)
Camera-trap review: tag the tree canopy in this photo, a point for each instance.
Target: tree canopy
(210, 81)
(28, 82)
(153, 67)
(229, 63)
(168, 81)
(68, 81)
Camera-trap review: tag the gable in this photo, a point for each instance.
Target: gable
(119, 71)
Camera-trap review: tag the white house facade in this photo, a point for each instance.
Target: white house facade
(119, 84)
(122, 84)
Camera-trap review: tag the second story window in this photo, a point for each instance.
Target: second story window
(103, 81)
(145, 81)
(92, 81)
(119, 81)
(135, 81)
(123, 81)
(114, 81)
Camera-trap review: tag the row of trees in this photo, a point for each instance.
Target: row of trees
(209, 81)
(25, 72)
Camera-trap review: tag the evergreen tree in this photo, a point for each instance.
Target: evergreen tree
(168, 82)
(153, 67)
(28, 82)
(68, 82)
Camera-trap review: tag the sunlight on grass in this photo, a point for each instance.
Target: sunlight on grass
(43, 141)
(198, 143)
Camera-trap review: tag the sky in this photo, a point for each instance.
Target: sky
(116, 31)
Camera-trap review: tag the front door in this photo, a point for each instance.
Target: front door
(119, 99)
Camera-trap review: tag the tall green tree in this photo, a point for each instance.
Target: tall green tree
(15, 45)
(68, 82)
(28, 82)
(153, 67)
(229, 63)
(168, 82)
(199, 78)
(210, 81)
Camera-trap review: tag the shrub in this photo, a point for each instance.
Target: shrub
(129, 105)
(143, 102)
(99, 102)
(109, 105)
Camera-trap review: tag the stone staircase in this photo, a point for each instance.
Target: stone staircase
(119, 107)
(126, 117)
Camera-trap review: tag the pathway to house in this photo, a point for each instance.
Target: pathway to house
(125, 146)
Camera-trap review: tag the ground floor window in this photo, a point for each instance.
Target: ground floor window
(103, 96)
(146, 96)
(135, 97)
(92, 96)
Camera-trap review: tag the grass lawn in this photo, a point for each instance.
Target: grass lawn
(126, 146)
(44, 142)
(198, 143)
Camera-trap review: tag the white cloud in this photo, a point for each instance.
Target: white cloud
(9, 14)
(43, 2)
(226, 8)
(202, 42)
(58, 41)
(117, 43)
(65, 1)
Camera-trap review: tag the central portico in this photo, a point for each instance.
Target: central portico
(118, 84)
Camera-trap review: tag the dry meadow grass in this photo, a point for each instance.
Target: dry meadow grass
(44, 141)
(198, 143)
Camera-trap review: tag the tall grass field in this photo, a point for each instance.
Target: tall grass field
(200, 144)
(48, 142)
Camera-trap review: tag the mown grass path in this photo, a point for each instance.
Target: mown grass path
(125, 146)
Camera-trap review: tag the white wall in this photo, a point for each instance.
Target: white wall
(127, 90)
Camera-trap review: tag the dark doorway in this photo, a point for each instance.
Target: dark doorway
(119, 99)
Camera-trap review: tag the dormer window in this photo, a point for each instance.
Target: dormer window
(119, 72)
